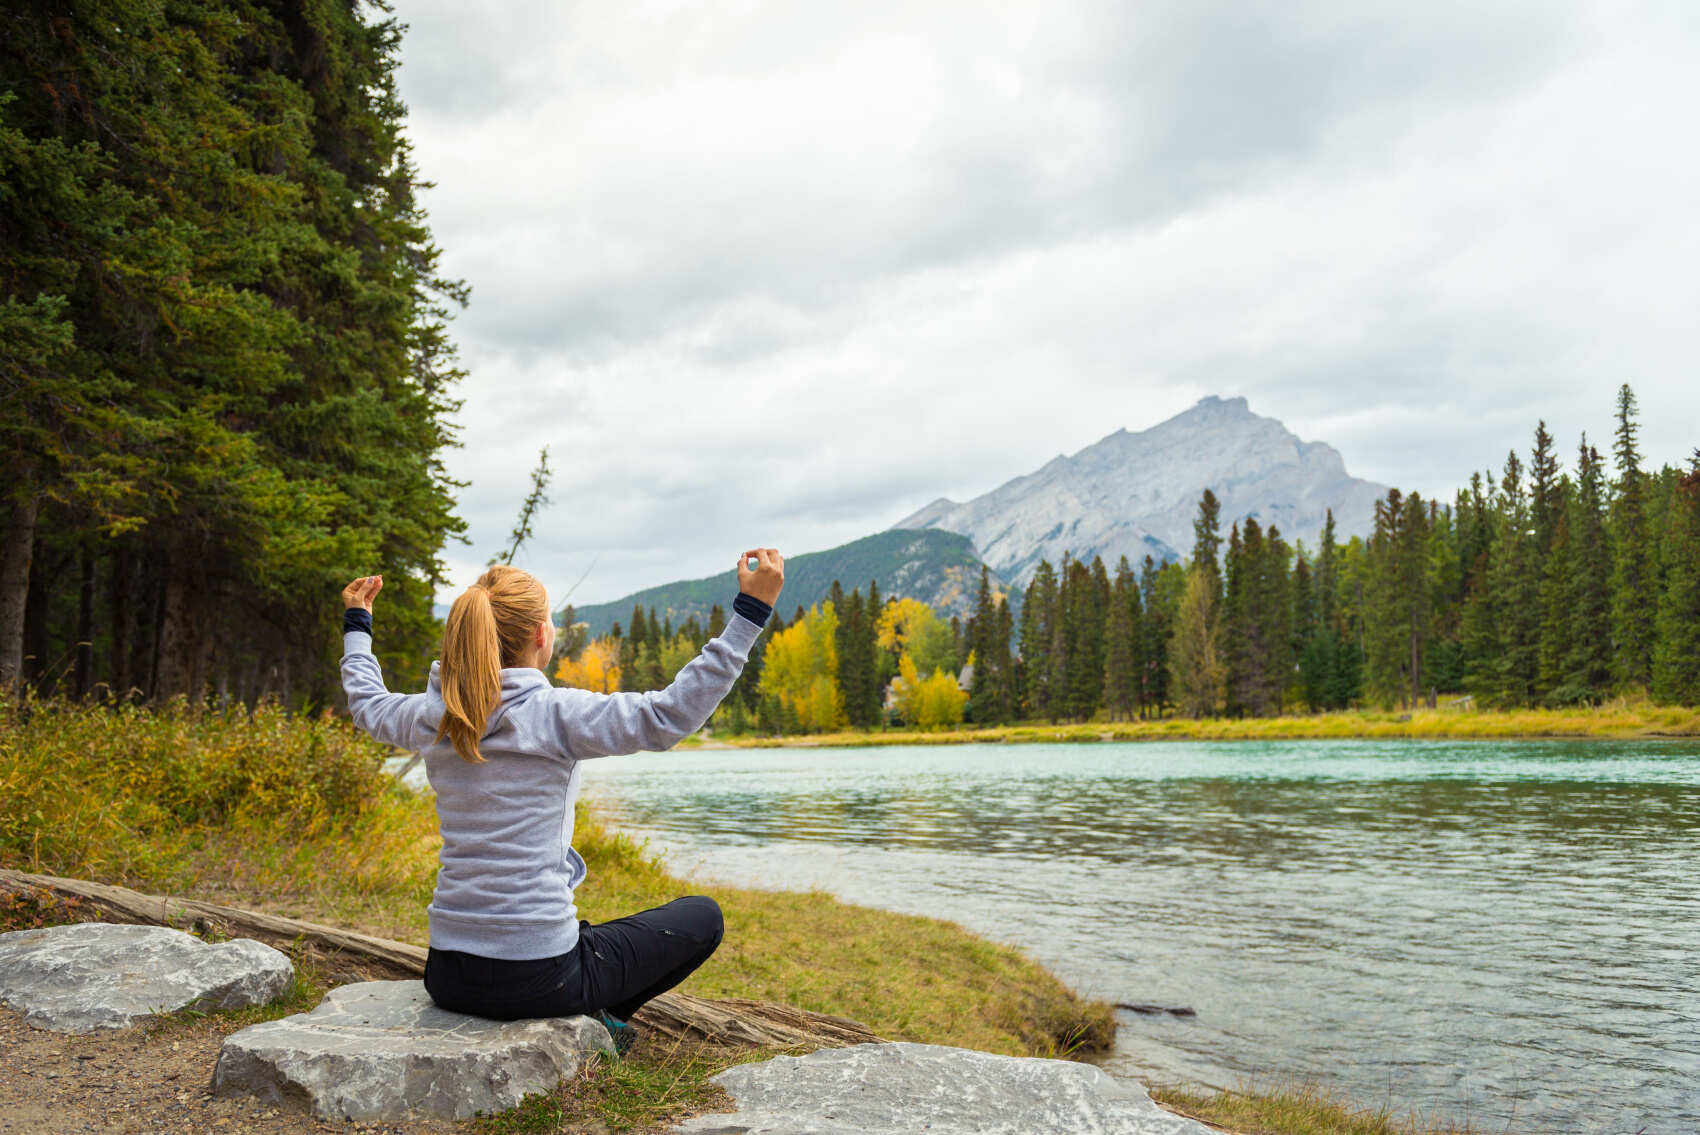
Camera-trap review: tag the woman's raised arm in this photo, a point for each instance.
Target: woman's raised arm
(603, 725)
(394, 719)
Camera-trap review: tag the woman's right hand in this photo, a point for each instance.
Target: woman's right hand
(766, 579)
(362, 591)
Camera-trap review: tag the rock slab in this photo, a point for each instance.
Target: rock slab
(100, 975)
(381, 1050)
(888, 1089)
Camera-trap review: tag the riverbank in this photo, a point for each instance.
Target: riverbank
(1619, 720)
(291, 816)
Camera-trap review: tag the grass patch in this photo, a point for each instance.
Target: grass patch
(1301, 1109)
(648, 1088)
(1620, 719)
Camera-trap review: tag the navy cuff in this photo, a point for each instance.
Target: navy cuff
(752, 609)
(357, 619)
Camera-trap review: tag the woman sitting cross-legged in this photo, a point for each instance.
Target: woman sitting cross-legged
(502, 748)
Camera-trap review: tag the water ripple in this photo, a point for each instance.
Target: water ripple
(1501, 933)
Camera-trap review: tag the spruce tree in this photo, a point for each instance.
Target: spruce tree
(1634, 593)
(1588, 674)
(1558, 628)
(1512, 583)
(1038, 628)
(1238, 617)
(1416, 600)
(1276, 605)
(1676, 656)
(1155, 626)
(1207, 536)
(1005, 690)
(982, 627)
(1198, 677)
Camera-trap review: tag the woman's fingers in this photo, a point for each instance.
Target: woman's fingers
(361, 592)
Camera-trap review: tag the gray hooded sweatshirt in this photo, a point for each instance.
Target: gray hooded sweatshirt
(508, 868)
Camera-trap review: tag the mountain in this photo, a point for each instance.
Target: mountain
(1135, 494)
(937, 567)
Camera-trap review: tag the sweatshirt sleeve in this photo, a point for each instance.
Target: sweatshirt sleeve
(603, 725)
(394, 719)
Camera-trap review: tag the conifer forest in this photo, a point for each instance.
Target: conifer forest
(1542, 583)
(223, 352)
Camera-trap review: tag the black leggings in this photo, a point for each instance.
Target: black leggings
(616, 967)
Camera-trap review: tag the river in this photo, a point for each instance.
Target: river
(1501, 933)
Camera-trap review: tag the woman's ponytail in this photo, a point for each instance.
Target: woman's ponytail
(488, 627)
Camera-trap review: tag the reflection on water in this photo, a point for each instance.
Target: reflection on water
(1504, 933)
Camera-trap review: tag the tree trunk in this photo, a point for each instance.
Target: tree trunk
(174, 672)
(119, 601)
(15, 560)
(85, 623)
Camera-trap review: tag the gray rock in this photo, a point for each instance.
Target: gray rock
(1135, 494)
(97, 975)
(888, 1089)
(382, 1050)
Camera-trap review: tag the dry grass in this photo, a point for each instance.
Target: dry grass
(1301, 1109)
(1621, 719)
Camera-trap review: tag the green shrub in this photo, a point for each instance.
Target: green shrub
(127, 790)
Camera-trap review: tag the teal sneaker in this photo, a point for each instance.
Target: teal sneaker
(624, 1034)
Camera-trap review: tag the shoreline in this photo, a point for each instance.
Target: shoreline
(1618, 721)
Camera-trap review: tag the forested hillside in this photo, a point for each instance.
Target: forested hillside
(223, 355)
(939, 568)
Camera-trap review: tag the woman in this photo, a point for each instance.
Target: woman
(501, 748)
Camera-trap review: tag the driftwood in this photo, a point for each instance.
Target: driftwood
(733, 1022)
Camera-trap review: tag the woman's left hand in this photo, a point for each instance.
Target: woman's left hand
(361, 592)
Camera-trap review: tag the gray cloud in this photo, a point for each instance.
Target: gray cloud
(789, 272)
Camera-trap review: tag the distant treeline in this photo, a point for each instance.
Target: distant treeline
(223, 355)
(1535, 586)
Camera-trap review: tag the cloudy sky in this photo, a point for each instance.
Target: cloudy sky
(784, 273)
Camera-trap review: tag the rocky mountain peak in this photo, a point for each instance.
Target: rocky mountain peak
(1136, 493)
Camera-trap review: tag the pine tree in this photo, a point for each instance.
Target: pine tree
(1121, 641)
(1038, 628)
(1198, 676)
(1276, 604)
(1416, 600)
(989, 694)
(1676, 657)
(1154, 643)
(1558, 630)
(1634, 594)
(1241, 650)
(1512, 583)
(1588, 674)
(1207, 536)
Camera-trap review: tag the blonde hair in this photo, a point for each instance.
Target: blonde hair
(489, 627)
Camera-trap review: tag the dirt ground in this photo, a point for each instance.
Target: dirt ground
(156, 1081)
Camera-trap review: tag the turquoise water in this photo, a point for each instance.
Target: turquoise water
(1504, 933)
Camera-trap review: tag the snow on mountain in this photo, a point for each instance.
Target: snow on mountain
(1135, 494)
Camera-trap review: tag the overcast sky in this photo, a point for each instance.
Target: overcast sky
(782, 274)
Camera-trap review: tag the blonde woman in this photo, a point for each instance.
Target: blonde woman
(502, 748)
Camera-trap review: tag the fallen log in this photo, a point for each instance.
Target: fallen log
(732, 1022)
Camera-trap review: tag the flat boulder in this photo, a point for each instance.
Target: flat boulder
(100, 975)
(887, 1089)
(381, 1050)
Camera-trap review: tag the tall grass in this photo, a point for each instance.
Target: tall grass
(1623, 719)
(180, 796)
